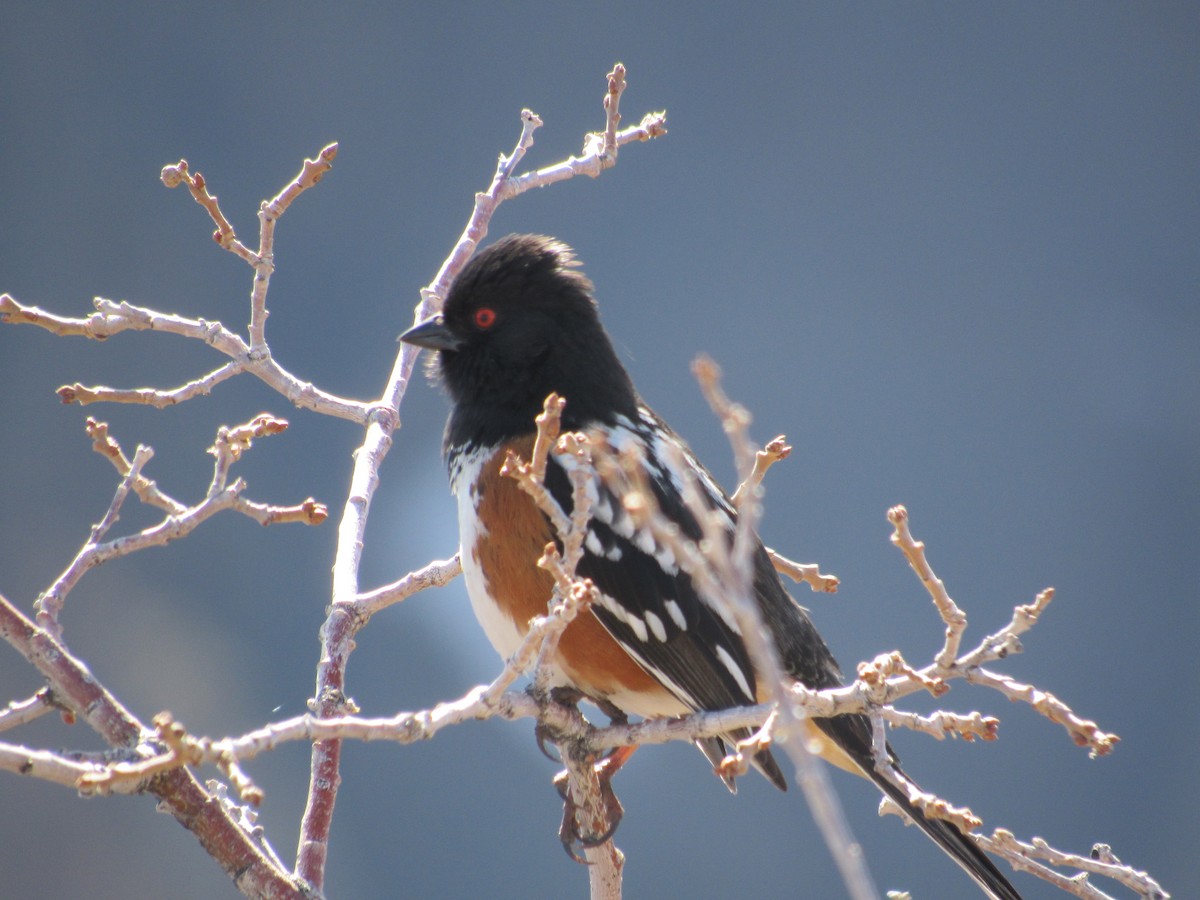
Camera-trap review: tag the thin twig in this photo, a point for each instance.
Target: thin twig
(180, 520)
(435, 574)
(21, 712)
(112, 318)
(736, 594)
(807, 573)
(914, 551)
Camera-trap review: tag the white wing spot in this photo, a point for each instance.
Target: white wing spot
(593, 544)
(734, 670)
(666, 560)
(638, 626)
(676, 613)
(602, 509)
(656, 626)
(644, 541)
(635, 624)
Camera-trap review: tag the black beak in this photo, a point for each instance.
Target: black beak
(432, 334)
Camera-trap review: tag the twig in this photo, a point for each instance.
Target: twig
(49, 603)
(159, 399)
(47, 765)
(482, 702)
(141, 456)
(914, 551)
(591, 163)
(264, 265)
(180, 520)
(530, 475)
(1024, 855)
(1084, 732)
(174, 175)
(941, 723)
(807, 573)
(254, 357)
(112, 318)
(776, 450)
(21, 712)
(106, 445)
(382, 420)
(735, 593)
(180, 793)
(435, 574)
(262, 261)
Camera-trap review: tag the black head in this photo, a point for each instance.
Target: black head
(518, 323)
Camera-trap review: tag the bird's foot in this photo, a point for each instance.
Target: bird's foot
(578, 837)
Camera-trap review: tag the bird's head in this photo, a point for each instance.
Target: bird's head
(520, 322)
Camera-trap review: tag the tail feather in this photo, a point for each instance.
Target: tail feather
(852, 734)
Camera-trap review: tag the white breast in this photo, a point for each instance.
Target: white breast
(499, 628)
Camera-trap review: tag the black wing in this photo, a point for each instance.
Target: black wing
(650, 606)
(695, 650)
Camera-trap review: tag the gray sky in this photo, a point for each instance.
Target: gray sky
(948, 249)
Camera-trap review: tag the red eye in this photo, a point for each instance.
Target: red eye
(485, 317)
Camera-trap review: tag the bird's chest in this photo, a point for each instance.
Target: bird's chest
(503, 535)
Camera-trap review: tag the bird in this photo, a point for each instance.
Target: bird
(519, 322)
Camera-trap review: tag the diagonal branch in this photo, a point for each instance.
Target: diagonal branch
(178, 790)
(344, 618)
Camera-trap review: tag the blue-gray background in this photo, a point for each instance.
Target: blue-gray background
(949, 249)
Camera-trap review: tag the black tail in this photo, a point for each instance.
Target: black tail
(853, 735)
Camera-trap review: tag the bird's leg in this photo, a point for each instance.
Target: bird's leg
(543, 733)
(571, 832)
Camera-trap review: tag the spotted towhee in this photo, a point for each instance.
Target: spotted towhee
(519, 323)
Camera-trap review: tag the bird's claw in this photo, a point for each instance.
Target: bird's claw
(569, 831)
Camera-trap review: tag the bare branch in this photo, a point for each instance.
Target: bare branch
(1025, 855)
(435, 574)
(529, 475)
(605, 861)
(174, 175)
(776, 450)
(159, 399)
(914, 551)
(181, 795)
(20, 712)
(941, 723)
(734, 592)
(808, 573)
(612, 103)
(140, 457)
(180, 520)
(113, 318)
(342, 623)
(591, 163)
(264, 261)
(46, 765)
(172, 528)
(1084, 732)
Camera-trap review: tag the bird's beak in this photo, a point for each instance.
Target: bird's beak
(433, 335)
